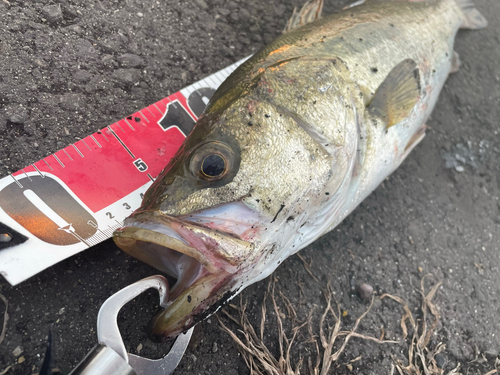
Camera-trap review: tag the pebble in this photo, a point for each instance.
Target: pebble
(129, 60)
(52, 13)
(82, 76)
(365, 291)
(73, 102)
(127, 76)
(214, 347)
(491, 353)
(16, 113)
(244, 14)
(440, 360)
(139, 348)
(3, 124)
(202, 4)
(17, 351)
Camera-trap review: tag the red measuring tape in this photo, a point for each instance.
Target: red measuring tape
(76, 197)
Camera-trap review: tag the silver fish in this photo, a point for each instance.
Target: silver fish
(290, 144)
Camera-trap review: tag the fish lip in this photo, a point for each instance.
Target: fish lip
(179, 235)
(207, 289)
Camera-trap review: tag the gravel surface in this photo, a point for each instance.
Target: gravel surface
(70, 67)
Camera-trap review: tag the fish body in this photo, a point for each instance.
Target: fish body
(289, 145)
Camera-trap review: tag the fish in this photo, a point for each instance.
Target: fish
(290, 144)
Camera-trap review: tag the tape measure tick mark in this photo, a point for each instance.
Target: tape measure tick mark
(85, 143)
(48, 165)
(17, 182)
(121, 142)
(95, 140)
(70, 158)
(58, 160)
(38, 170)
(77, 150)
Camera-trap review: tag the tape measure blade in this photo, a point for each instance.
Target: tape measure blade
(76, 197)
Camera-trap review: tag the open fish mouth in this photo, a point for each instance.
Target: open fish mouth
(204, 261)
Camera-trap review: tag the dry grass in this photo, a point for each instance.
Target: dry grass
(421, 360)
(5, 318)
(260, 360)
(330, 341)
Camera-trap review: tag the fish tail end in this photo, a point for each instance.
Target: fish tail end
(474, 20)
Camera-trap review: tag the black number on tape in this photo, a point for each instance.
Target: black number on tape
(140, 165)
(198, 99)
(177, 116)
(110, 215)
(46, 209)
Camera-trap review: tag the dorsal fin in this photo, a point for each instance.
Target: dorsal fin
(398, 94)
(310, 11)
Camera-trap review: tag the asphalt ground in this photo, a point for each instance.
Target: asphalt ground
(62, 78)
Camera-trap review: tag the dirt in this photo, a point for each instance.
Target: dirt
(70, 67)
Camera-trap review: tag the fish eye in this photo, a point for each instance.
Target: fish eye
(213, 165)
(211, 161)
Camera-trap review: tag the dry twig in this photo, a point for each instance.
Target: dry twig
(308, 267)
(5, 318)
(256, 354)
(419, 355)
(259, 358)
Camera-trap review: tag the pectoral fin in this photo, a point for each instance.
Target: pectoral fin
(473, 19)
(310, 11)
(397, 95)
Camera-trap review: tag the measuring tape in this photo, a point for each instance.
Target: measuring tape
(78, 196)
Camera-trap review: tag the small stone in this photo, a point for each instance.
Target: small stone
(52, 13)
(109, 61)
(82, 76)
(140, 14)
(16, 113)
(139, 348)
(234, 16)
(73, 102)
(3, 123)
(21, 360)
(440, 360)
(17, 351)
(491, 353)
(349, 366)
(365, 291)
(127, 76)
(244, 14)
(129, 60)
(459, 168)
(214, 347)
(202, 4)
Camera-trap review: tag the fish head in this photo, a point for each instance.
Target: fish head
(229, 207)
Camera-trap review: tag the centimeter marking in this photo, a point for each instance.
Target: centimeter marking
(121, 142)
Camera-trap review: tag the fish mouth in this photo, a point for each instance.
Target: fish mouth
(205, 261)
